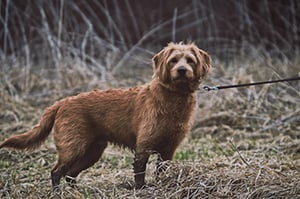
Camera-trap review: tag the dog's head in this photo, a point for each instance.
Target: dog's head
(181, 67)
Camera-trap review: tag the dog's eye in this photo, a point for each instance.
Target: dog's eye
(173, 60)
(190, 61)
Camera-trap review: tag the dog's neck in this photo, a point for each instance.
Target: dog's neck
(170, 101)
(168, 89)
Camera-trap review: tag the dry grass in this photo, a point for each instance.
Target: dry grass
(245, 143)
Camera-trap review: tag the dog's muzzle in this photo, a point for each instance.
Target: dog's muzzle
(181, 70)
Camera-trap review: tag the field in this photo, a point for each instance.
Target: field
(245, 143)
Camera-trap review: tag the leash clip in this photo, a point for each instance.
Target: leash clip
(210, 88)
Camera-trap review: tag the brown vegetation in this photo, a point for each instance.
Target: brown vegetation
(244, 142)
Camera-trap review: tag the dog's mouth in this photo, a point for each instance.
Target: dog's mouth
(181, 78)
(182, 83)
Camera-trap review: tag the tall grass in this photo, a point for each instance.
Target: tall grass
(96, 39)
(244, 143)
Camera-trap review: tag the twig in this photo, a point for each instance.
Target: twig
(60, 27)
(235, 149)
(174, 25)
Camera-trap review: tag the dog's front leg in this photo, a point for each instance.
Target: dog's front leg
(139, 166)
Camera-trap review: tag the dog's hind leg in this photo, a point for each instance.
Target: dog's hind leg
(56, 174)
(91, 155)
(60, 169)
(67, 156)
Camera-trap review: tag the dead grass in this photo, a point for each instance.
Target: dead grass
(245, 142)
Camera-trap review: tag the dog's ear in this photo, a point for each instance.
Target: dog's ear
(159, 62)
(156, 62)
(204, 63)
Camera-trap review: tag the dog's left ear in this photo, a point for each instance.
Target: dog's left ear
(204, 63)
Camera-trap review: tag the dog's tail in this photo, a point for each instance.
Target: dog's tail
(33, 139)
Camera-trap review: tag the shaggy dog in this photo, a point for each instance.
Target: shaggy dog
(154, 117)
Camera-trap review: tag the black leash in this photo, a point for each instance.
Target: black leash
(215, 88)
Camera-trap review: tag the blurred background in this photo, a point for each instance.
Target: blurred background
(224, 28)
(105, 36)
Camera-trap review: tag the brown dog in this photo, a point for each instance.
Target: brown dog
(154, 117)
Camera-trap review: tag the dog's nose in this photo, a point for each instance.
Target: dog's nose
(181, 70)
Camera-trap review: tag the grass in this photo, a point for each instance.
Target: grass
(245, 143)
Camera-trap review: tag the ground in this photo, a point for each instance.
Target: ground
(245, 143)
